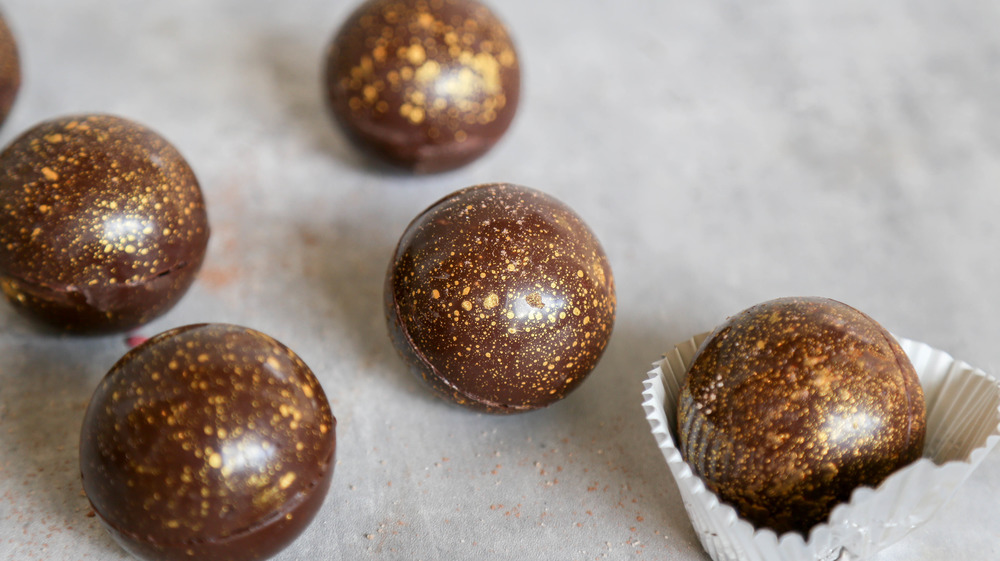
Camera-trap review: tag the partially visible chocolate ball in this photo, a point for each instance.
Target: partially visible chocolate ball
(10, 70)
(207, 441)
(792, 404)
(500, 298)
(102, 224)
(429, 85)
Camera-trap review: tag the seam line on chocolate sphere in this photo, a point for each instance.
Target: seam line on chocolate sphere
(288, 506)
(445, 381)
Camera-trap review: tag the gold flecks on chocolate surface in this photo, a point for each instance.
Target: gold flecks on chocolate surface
(102, 223)
(10, 70)
(211, 438)
(792, 404)
(426, 84)
(501, 298)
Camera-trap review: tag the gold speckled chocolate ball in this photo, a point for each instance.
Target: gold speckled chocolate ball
(429, 85)
(10, 70)
(500, 298)
(792, 404)
(207, 441)
(102, 224)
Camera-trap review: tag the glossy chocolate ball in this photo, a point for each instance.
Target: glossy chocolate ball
(429, 85)
(500, 298)
(792, 404)
(102, 224)
(10, 70)
(207, 442)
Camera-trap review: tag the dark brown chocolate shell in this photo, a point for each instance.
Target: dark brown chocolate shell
(500, 298)
(207, 442)
(429, 85)
(792, 404)
(10, 70)
(102, 224)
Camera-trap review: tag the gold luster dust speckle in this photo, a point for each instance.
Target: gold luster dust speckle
(245, 443)
(416, 55)
(132, 227)
(510, 256)
(534, 300)
(286, 480)
(444, 76)
(215, 460)
(491, 301)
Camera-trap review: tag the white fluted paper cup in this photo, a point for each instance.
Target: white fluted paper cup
(963, 425)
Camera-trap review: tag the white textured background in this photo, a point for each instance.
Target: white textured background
(724, 152)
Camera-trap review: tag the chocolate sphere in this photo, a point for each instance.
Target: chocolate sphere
(792, 404)
(207, 441)
(500, 298)
(102, 224)
(429, 85)
(10, 70)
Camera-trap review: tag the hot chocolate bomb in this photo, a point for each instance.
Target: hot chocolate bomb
(207, 442)
(10, 70)
(102, 224)
(792, 404)
(426, 85)
(500, 298)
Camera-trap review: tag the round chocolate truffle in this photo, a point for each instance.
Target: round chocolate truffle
(500, 298)
(10, 70)
(102, 224)
(207, 441)
(792, 404)
(429, 85)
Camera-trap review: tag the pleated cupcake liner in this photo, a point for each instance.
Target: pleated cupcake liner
(963, 425)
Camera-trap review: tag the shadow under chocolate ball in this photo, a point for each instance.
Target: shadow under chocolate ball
(425, 85)
(500, 298)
